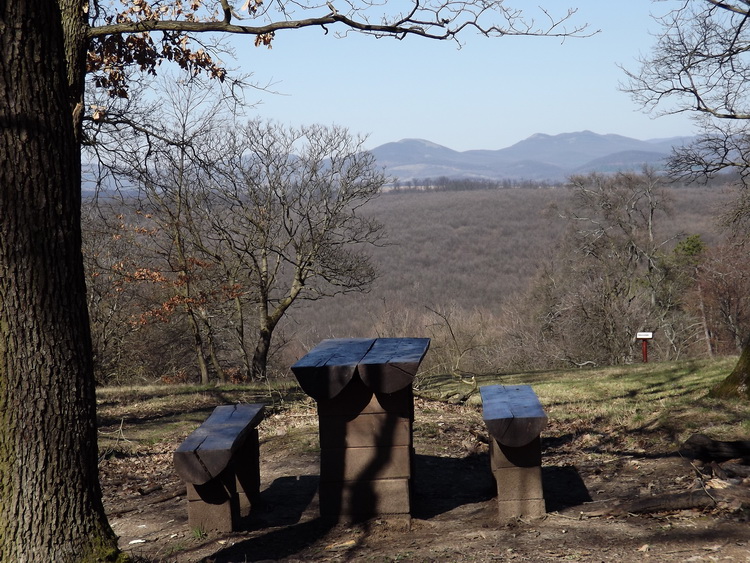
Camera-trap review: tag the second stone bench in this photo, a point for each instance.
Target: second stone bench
(219, 462)
(515, 418)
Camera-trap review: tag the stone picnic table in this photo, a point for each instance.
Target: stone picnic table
(363, 390)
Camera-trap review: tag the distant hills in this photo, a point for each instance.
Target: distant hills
(540, 157)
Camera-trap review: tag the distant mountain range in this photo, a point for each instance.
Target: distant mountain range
(540, 157)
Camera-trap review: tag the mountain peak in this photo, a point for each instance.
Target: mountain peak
(423, 142)
(539, 157)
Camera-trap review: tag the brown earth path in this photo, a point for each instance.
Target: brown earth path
(454, 513)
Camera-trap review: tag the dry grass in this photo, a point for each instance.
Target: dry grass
(650, 406)
(644, 407)
(133, 418)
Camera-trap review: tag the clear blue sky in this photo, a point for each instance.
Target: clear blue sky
(487, 95)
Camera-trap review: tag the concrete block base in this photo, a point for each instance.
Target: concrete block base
(366, 454)
(518, 474)
(353, 501)
(520, 508)
(220, 504)
(519, 483)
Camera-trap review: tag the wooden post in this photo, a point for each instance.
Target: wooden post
(644, 338)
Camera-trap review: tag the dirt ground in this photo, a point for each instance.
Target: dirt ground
(454, 514)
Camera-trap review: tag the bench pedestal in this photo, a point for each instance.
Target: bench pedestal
(518, 475)
(224, 500)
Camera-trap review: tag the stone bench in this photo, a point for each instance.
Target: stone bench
(515, 418)
(219, 463)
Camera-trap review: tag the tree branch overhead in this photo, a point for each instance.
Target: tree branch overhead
(122, 39)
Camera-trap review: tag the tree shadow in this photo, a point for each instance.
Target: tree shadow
(608, 443)
(278, 543)
(282, 523)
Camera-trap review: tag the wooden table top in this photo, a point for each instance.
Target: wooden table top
(385, 365)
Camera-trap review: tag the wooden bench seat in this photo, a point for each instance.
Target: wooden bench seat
(515, 418)
(220, 465)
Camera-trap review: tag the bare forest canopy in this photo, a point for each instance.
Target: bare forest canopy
(468, 252)
(463, 267)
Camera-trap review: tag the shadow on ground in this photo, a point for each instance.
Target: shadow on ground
(288, 522)
(442, 484)
(563, 488)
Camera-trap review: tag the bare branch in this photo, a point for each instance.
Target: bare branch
(446, 22)
(730, 7)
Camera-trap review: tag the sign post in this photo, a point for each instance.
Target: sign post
(644, 338)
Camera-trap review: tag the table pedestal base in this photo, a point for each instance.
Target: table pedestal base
(366, 454)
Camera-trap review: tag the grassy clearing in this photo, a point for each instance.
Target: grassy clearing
(643, 407)
(670, 398)
(652, 405)
(134, 418)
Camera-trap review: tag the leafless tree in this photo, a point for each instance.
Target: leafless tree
(701, 64)
(241, 221)
(607, 281)
(284, 205)
(158, 173)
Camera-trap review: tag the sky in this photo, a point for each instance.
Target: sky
(489, 94)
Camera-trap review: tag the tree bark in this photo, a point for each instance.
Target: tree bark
(50, 500)
(737, 384)
(260, 356)
(198, 347)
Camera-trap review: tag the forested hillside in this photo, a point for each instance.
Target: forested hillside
(468, 255)
(500, 279)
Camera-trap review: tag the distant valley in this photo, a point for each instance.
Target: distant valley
(541, 157)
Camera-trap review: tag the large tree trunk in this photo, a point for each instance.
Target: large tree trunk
(50, 501)
(737, 383)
